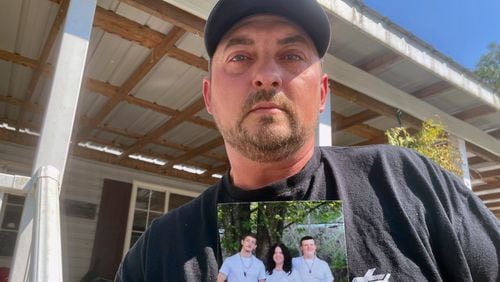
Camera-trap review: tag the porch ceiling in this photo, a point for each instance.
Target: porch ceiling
(142, 89)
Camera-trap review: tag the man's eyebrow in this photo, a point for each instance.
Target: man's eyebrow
(293, 39)
(238, 41)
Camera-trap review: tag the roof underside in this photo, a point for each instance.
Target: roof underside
(145, 104)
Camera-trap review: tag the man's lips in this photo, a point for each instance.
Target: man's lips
(266, 108)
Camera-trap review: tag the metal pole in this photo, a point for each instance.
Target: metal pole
(324, 128)
(57, 127)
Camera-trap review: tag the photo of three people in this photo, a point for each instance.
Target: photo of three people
(282, 241)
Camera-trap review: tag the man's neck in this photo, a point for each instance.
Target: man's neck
(245, 254)
(309, 256)
(250, 175)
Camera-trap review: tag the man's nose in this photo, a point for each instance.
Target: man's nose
(267, 75)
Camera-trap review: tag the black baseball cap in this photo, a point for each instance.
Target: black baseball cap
(307, 14)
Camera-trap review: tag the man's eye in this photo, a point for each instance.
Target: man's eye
(292, 57)
(239, 58)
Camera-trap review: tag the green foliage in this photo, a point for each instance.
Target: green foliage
(431, 141)
(488, 68)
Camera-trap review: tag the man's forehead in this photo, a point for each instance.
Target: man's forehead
(264, 21)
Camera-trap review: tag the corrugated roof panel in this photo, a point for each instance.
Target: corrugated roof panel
(193, 44)
(20, 76)
(36, 19)
(185, 91)
(344, 138)
(9, 17)
(451, 101)
(159, 85)
(405, 76)
(115, 59)
(90, 102)
(134, 118)
(344, 107)
(190, 135)
(383, 122)
(487, 122)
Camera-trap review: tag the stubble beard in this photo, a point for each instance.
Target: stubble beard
(267, 144)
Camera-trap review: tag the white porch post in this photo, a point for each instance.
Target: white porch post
(53, 148)
(324, 129)
(465, 164)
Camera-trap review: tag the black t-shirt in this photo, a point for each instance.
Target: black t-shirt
(404, 216)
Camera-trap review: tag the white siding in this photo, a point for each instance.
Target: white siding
(82, 182)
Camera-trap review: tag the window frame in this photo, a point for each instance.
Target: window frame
(159, 188)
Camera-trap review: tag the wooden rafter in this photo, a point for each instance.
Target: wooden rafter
(381, 62)
(110, 90)
(491, 196)
(154, 57)
(20, 60)
(360, 129)
(432, 89)
(475, 160)
(170, 13)
(488, 186)
(489, 174)
(49, 44)
(475, 112)
(370, 103)
(341, 122)
(29, 140)
(217, 142)
(191, 110)
(113, 23)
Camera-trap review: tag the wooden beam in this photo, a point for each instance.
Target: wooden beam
(475, 112)
(370, 103)
(495, 133)
(174, 121)
(492, 196)
(432, 89)
(476, 160)
(217, 142)
(482, 153)
(110, 90)
(154, 57)
(487, 186)
(489, 173)
(77, 151)
(381, 139)
(116, 24)
(381, 63)
(49, 44)
(342, 122)
(16, 102)
(170, 13)
(493, 205)
(20, 60)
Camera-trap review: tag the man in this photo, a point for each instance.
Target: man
(310, 267)
(243, 266)
(404, 216)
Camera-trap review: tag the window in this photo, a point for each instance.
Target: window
(148, 202)
(10, 218)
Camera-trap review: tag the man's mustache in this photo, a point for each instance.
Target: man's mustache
(278, 98)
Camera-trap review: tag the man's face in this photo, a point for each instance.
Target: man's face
(248, 244)
(308, 248)
(266, 88)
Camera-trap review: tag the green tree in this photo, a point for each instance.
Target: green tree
(431, 141)
(488, 67)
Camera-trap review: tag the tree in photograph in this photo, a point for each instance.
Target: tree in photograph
(488, 67)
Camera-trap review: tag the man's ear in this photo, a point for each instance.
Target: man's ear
(323, 92)
(206, 94)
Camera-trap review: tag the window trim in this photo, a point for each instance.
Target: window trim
(139, 184)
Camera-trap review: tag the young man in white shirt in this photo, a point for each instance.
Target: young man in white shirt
(243, 266)
(310, 267)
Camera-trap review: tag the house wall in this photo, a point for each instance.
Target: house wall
(83, 183)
